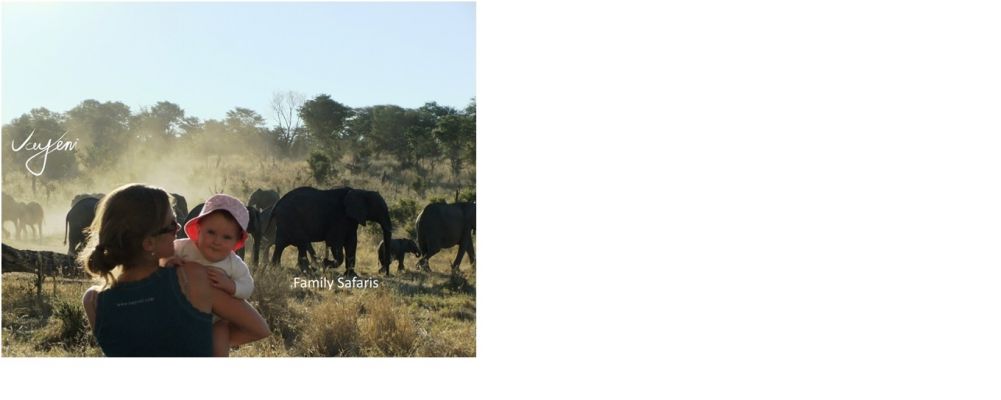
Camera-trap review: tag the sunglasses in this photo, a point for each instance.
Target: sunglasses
(172, 228)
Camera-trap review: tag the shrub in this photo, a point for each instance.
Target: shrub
(333, 330)
(468, 195)
(388, 330)
(404, 214)
(280, 306)
(67, 327)
(320, 167)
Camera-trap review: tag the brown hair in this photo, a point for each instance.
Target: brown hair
(124, 218)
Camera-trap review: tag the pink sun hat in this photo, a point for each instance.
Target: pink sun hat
(224, 202)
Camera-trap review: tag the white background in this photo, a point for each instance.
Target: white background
(712, 199)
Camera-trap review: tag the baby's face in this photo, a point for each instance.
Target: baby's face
(217, 237)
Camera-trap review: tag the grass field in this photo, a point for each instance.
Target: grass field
(410, 314)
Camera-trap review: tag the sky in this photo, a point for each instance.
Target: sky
(212, 57)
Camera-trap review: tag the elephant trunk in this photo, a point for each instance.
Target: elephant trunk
(387, 235)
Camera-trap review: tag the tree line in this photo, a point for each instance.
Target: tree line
(320, 130)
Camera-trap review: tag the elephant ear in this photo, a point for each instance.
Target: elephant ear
(354, 206)
(255, 220)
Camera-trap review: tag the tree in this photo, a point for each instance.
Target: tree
(162, 122)
(39, 128)
(457, 134)
(420, 137)
(388, 134)
(243, 121)
(102, 129)
(357, 128)
(469, 152)
(324, 119)
(285, 107)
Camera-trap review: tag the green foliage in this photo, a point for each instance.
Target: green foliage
(159, 123)
(457, 134)
(242, 121)
(468, 195)
(42, 126)
(324, 119)
(67, 327)
(404, 214)
(390, 125)
(320, 167)
(101, 127)
(437, 199)
(419, 186)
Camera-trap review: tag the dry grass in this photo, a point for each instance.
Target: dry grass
(410, 314)
(50, 324)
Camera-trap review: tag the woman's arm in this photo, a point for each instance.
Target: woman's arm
(90, 305)
(246, 324)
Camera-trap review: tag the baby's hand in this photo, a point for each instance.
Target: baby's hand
(172, 261)
(220, 280)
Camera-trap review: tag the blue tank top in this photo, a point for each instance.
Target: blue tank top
(151, 318)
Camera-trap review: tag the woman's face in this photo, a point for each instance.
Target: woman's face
(164, 237)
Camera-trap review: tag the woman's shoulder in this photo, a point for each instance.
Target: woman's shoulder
(195, 285)
(90, 304)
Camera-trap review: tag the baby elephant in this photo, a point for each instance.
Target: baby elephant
(398, 248)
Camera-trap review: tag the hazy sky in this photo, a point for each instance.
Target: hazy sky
(211, 57)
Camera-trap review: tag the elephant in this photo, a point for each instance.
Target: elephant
(181, 234)
(257, 229)
(265, 237)
(262, 199)
(31, 216)
(80, 215)
(307, 215)
(440, 226)
(180, 206)
(84, 196)
(398, 249)
(11, 212)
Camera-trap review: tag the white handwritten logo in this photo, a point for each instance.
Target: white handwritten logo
(44, 151)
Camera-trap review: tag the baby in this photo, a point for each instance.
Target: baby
(213, 236)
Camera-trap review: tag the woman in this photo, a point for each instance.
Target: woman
(143, 309)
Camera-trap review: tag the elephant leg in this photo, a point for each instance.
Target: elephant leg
(276, 258)
(257, 251)
(425, 262)
(265, 250)
(311, 252)
(303, 261)
(350, 246)
(469, 249)
(328, 260)
(458, 258)
(400, 261)
(337, 252)
(384, 261)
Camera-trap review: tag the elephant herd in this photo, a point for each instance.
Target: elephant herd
(24, 216)
(306, 215)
